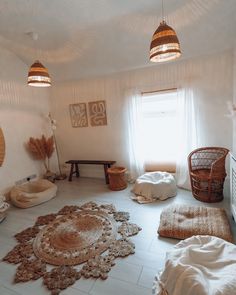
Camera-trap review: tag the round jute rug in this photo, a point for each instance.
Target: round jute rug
(92, 234)
(75, 238)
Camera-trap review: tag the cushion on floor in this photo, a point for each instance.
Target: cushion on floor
(200, 265)
(182, 221)
(32, 193)
(154, 185)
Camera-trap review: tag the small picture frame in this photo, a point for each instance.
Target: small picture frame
(97, 113)
(78, 115)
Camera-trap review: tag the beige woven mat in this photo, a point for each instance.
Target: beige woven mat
(182, 221)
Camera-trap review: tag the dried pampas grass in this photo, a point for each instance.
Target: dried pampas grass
(41, 149)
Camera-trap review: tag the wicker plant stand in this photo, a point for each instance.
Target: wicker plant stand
(207, 173)
(117, 179)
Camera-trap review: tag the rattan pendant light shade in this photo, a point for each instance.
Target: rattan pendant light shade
(165, 44)
(38, 75)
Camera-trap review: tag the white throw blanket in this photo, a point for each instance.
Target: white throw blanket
(200, 265)
(154, 186)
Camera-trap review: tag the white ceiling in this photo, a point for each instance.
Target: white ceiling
(84, 38)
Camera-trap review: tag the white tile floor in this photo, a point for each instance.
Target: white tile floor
(130, 276)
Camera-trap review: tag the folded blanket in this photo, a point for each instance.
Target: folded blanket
(200, 265)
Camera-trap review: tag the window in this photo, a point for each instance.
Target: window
(160, 135)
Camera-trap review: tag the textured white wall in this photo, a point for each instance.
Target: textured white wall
(234, 100)
(23, 110)
(210, 76)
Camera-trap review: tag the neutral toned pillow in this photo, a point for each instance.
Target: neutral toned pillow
(182, 221)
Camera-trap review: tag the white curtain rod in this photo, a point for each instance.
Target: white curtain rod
(159, 90)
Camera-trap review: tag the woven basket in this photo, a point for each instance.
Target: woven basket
(117, 179)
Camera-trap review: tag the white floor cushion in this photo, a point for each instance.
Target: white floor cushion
(200, 265)
(154, 185)
(32, 193)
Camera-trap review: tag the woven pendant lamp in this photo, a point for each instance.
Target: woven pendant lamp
(38, 75)
(165, 44)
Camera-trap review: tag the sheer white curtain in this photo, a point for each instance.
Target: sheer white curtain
(187, 134)
(187, 139)
(134, 133)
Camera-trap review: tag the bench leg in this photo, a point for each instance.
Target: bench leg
(106, 166)
(71, 172)
(77, 170)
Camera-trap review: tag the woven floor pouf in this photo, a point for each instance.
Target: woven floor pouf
(32, 193)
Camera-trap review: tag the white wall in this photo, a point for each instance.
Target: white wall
(210, 76)
(23, 110)
(234, 100)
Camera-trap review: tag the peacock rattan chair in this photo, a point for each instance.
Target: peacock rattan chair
(207, 173)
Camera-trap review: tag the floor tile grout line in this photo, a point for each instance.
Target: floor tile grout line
(140, 275)
(12, 290)
(150, 245)
(92, 285)
(116, 278)
(126, 283)
(77, 289)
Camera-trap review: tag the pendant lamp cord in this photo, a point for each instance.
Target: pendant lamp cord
(34, 37)
(162, 9)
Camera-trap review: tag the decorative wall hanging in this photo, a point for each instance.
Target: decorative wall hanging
(78, 115)
(2, 147)
(165, 44)
(90, 234)
(97, 113)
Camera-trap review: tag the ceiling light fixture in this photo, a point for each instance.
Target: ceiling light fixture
(38, 75)
(165, 44)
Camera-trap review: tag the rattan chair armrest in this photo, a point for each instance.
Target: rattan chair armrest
(218, 168)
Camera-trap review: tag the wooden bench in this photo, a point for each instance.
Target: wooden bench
(75, 168)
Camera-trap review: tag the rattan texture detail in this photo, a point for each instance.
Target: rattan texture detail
(75, 234)
(182, 222)
(117, 180)
(38, 75)
(207, 173)
(165, 44)
(60, 244)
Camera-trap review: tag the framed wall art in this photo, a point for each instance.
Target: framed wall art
(97, 113)
(78, 115)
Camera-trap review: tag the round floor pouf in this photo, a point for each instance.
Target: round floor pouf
(32, 193)
(200, 265)
(117, 179)
(155, 185)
